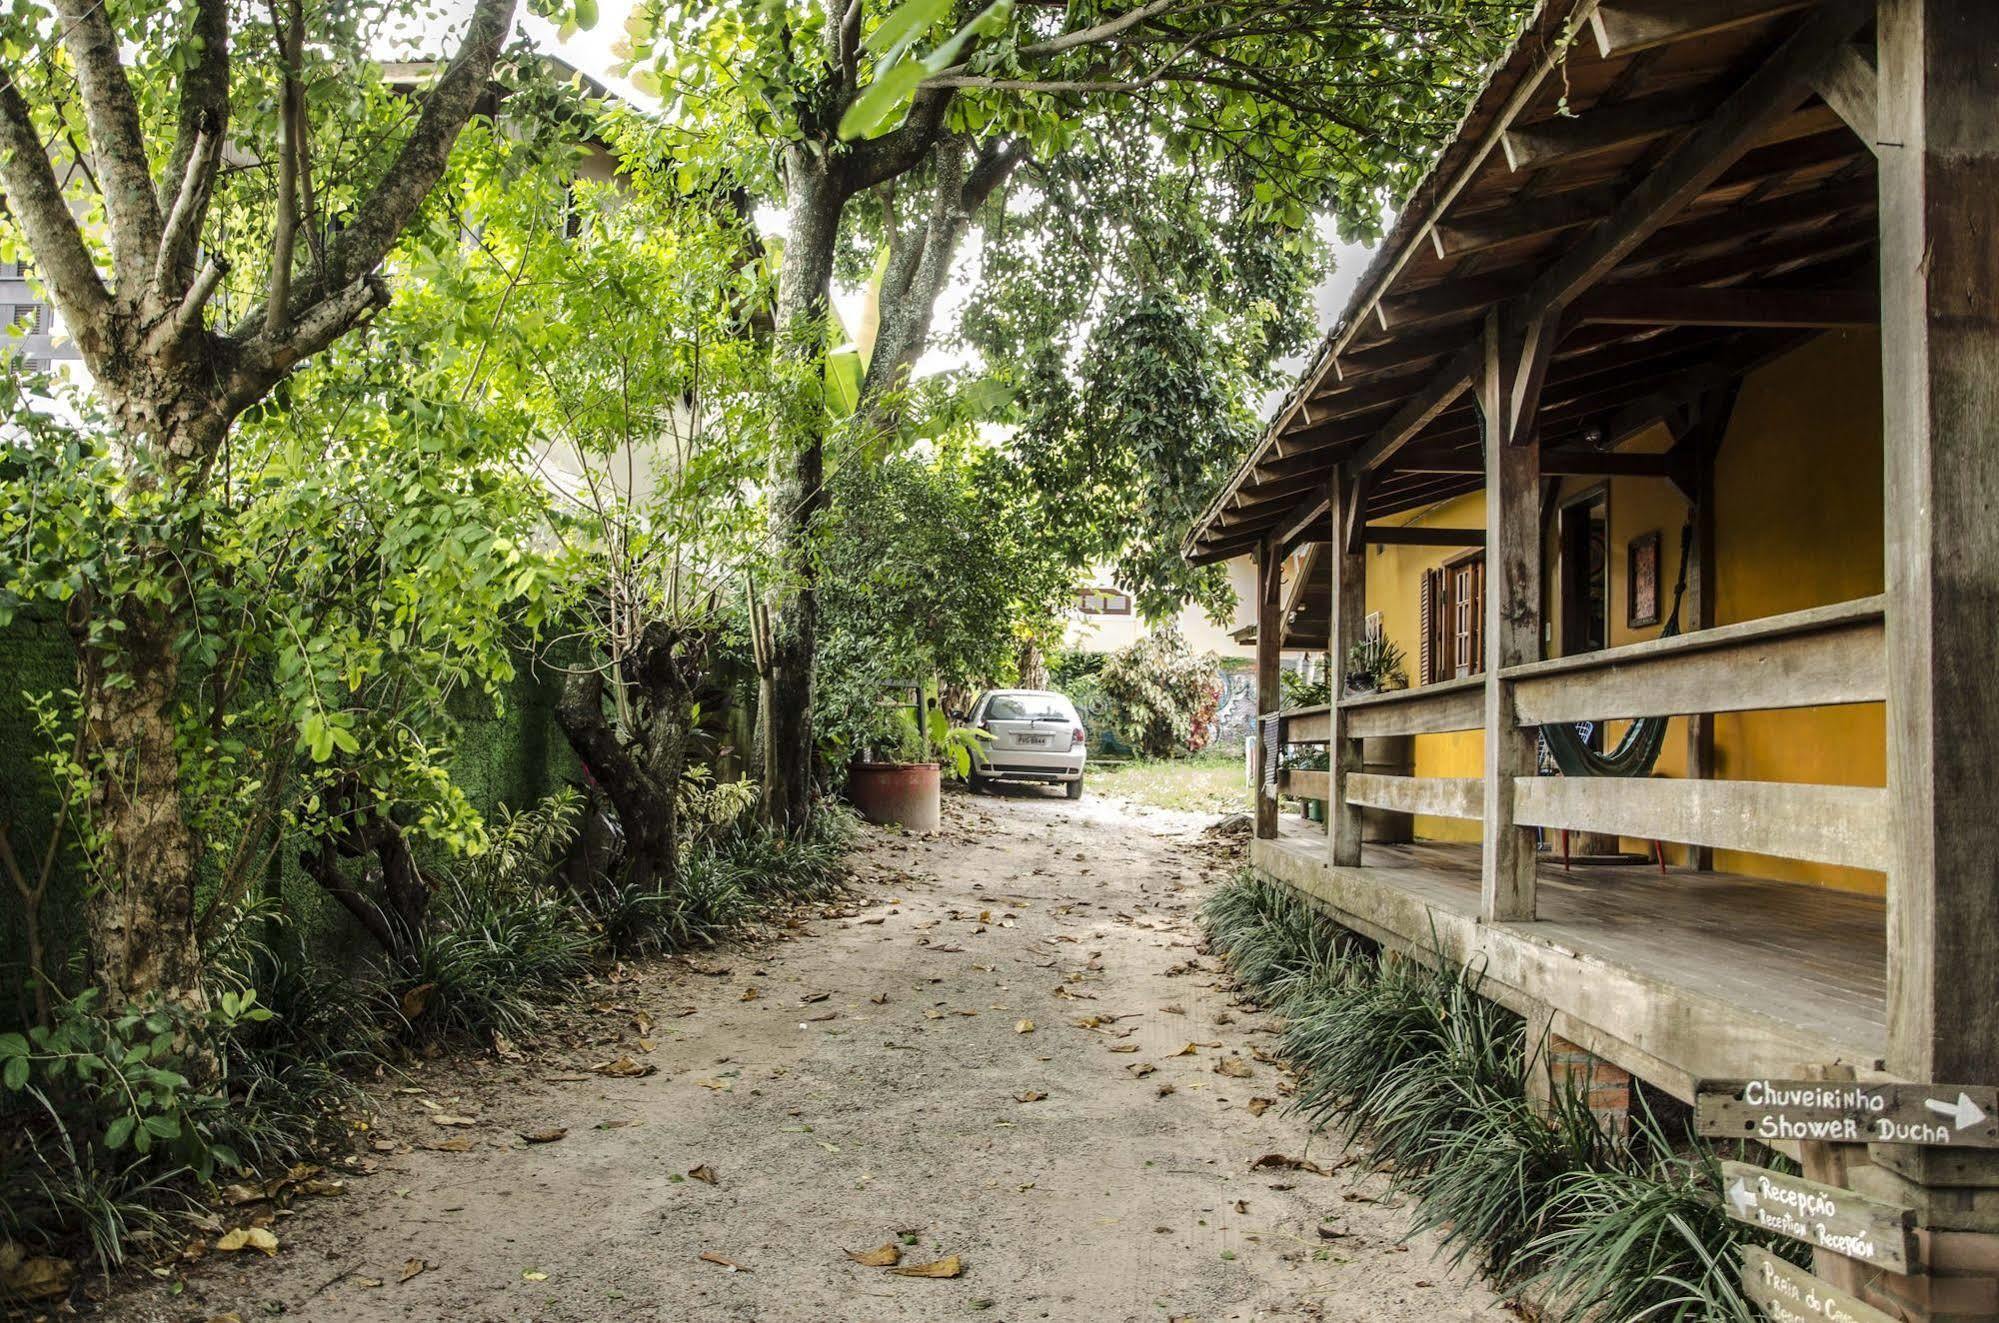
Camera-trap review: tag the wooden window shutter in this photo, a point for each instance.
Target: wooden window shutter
(1426, 653)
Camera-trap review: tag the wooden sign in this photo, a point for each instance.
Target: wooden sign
(1789, 1294)
(1844, 1112)
(1823, 1216)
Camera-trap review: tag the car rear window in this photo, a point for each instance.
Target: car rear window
(1029, 707)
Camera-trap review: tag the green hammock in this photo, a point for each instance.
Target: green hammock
(1638, 752)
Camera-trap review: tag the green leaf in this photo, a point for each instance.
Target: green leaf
(14, 1075)
(905, 23)
(163, 1127)
(118, 1132)
(877, 109)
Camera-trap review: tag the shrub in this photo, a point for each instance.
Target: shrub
(500, 937)
(1163, 698)
(1407, 1060)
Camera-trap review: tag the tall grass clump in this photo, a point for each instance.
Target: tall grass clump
(500, 937)
(1407, 1061)
(730, 878)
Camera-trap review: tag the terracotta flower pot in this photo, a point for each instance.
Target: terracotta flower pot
(905, 794)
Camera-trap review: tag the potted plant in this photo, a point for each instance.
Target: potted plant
(897, 774)
(1376, 666)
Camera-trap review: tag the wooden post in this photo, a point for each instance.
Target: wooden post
(1269, 650)
(1939, 174)
(1348, 620)
(1512, 620)
(1940, 376)
(1699, 606)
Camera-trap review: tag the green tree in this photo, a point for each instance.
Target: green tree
(891, 128)
(230, 193)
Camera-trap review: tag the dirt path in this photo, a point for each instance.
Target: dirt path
(862, 1081)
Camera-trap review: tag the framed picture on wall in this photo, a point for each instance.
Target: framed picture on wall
(1641, 583)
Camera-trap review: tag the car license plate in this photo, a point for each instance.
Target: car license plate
(1036, 740)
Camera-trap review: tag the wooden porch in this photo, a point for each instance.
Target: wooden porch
(1674, 975)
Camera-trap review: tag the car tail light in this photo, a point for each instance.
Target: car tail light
(1075, 737)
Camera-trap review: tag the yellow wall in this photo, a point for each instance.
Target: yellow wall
(1797, 524)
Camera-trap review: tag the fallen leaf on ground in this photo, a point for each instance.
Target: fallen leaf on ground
(447, 1119)
(1234, 1067)
(1124, 1047)
(1023, 1026)
(38, 1278)
(546, 1136)
(411, 1267)
(1287, 1163)
(1165, 1089)
(811, 997)
(879, 999)
(1258, 1106)
(1140, 1069)
(416, 999)
(749, 994)
(703, 1173)
(719, 1086)
(1191, 1050)
(949, 1266)
(533, 1275)
(710, 1256)
(1029, 1095)
(626, 1068)
(1172, 1009)
(885, 1255)
(256, 1238)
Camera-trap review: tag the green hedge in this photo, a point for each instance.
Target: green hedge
(507, 752)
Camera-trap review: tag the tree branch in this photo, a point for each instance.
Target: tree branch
(37, 202)
(118, 143)
(196, 154)
(383, 216)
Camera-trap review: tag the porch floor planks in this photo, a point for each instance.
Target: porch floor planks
(1807, 955)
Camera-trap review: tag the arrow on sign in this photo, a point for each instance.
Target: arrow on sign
(1963, 1113)
(1738, 1194)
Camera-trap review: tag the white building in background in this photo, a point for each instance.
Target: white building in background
(1104, 618)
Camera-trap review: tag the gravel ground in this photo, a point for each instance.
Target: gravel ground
(1005, 1050)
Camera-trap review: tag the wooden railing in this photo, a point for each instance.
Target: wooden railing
(1826, 656)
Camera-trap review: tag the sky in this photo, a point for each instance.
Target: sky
(591, 52)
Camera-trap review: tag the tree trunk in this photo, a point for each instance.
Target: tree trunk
(797, 494)
(646, 809)
(139, 916)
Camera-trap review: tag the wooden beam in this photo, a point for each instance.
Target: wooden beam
(1851, 87)
(1454, 299)
(1442, 391)
(1820, 657)
(1512, 633)
(1844, 825)
(1624, 27)
(1347, 622)
(1736, 223)
(1415, 535)
(1298, 525)
(1769, 95)
(1353, 515)
(1940, 365)
(1269, 653)
(1444, 489)
(1524, 219)
(1434, 709)
(1436, 796)
(1748, 309)
(1602, 129)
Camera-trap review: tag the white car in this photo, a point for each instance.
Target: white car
(1036, 736)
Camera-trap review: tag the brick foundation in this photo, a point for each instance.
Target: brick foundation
(1606, 1088)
